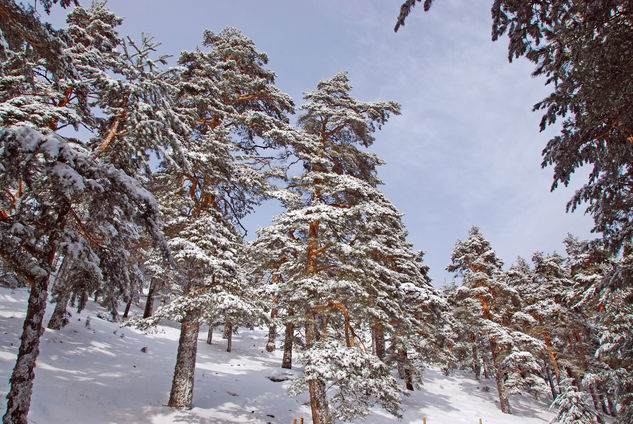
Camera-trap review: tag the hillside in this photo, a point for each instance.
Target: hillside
(95, 371)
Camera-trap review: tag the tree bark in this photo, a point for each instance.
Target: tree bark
(611, 404)
(149, 303)
(401, 374)
(318, 399)
(408, 379)
(504, 404)
(272, 330)
(228, 334)
(272, 333)
(286, 362)
(181, 395)
(486, 371)
(127, 307)
(59, 318)
(404, 371)
(476, 363)
(210, 332)
(379, 337)
(316, 388)
(550, 381)
(113, 310)
(21, 381)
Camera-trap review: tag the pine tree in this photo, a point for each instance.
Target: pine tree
(487, 305)
(341, 261)
(61, 199)
(237, 117)
(572, 340)
(476, 262)
(521, 278)
(589, 265)
(572, 406)
(616, 337)
(47, 176)
(136, 118)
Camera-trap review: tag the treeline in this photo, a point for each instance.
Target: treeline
(556, 325)
(150, 201)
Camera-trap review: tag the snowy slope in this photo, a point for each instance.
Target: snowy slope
(97, 373)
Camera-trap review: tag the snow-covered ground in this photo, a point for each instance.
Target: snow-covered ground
(94, 372)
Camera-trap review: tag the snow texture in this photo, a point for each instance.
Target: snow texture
(93, 371)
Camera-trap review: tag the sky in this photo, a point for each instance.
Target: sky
(467, 148)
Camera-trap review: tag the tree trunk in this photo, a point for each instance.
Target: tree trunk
(181, 395)
(272, 333)
(286, 362)
(59, 319)
(272, 330)
(113, 310)
(316, 388)
(318, 399)
(21, 381)
(406, 369)
(504, 404)
(408, 379)
(401, 373)
(127, 308)
(210, 332)
(149, 303)
(476, 363)
(379, 336)
(612, 405)
(228, 335)
(486, 371)
(550, 380)
(597, 401)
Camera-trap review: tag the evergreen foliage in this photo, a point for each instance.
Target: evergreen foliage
(339, 255)
(483, 308)
(61, 198)
(235, 114)
(572, 406)
(177, 157)
(582, 48)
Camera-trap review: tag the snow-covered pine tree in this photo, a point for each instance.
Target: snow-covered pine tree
(589, 264)
(572, 405)
(409, 326)
(238, 117)
(341, 259)
(111, 71)
(559, 308)
(425, 336)
(206, 280)
(486, 304)
(563, 324)
(615, 302)
(521, 278)
(61, 199)
(266, 271)
(475, 261)
(47, 176)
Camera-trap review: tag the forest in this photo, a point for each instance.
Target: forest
(125, 181)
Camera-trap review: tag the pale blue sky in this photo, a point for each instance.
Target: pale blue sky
(466, 150)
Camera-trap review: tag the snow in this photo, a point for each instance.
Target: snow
(95, 371)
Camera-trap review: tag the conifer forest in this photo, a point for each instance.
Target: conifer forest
(126, 177)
